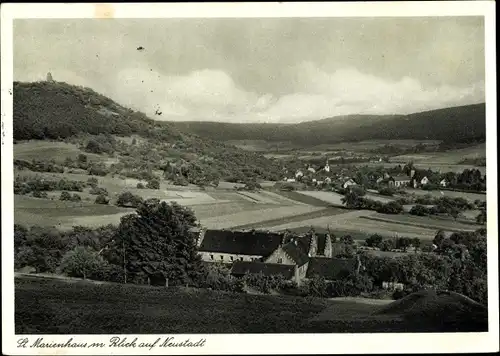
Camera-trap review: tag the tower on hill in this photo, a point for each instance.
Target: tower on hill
(49, 77)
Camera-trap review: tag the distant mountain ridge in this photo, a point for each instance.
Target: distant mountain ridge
(456, 124)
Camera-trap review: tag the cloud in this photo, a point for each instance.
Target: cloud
(349, 91)
(212, 95)
(204, 94)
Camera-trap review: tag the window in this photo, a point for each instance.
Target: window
(211, 257)
(241, 258)
(280, 260)
(231, 257)
(221, 257)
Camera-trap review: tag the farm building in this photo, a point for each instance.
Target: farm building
(332, 268)
(399, 181)
(424, 181)
(299, 174)
(228, 246)
(289, 272)
(349, 182)
(443, 183)
(260, 251)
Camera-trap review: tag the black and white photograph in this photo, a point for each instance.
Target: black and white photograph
(247, 173)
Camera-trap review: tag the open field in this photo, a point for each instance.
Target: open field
(363, 146)
(257, 216)
(424, 221)
(58, 151)
(446, 157)
(288, 219)
(438, 167)
(51, 306)
(328, 197)
(357, 222)
(448, 193)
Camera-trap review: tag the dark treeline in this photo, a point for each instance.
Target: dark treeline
(463, 124)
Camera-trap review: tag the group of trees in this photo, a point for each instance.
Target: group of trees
(39, 166)
(24, 185)
(354, 199)
(155, 240)
(400, 243)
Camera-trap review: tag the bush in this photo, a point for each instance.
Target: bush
(92, 182)
(101, 199)
(98, 191)
(419, 210)
(153, 184)
(39, 194)
(65, 196)
(386, 191)
(391, 208)
(141, 186)
(76, 197)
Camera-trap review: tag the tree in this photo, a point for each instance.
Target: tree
(347, 239)
(403, 243)
(374, 240)
(352, 200)
(127, 199)
(80, 262)
(386, 245)
(439, 238)
(157, 241)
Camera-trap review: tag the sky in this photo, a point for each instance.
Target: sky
(280, 70)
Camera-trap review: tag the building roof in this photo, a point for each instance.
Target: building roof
(330, 268)
(401, 178)
(241, 268)
(256, 243)
(321, 243)
(296, 253)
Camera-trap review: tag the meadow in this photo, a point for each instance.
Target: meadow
(424, 222)
(51, 306)
(358, 222)
(448, 193)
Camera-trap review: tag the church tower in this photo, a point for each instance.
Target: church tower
(49, 77)
(327, 166)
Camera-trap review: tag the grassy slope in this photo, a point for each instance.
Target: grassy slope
(59, 307)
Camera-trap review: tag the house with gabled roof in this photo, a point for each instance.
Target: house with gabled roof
(332, 268)
(227, 246)
(399, 181)
(241, 268)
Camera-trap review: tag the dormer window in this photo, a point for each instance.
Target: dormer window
(280, 260)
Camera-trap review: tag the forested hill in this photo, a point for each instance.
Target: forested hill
(57, 110)
(52, 110)
(456, 124)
